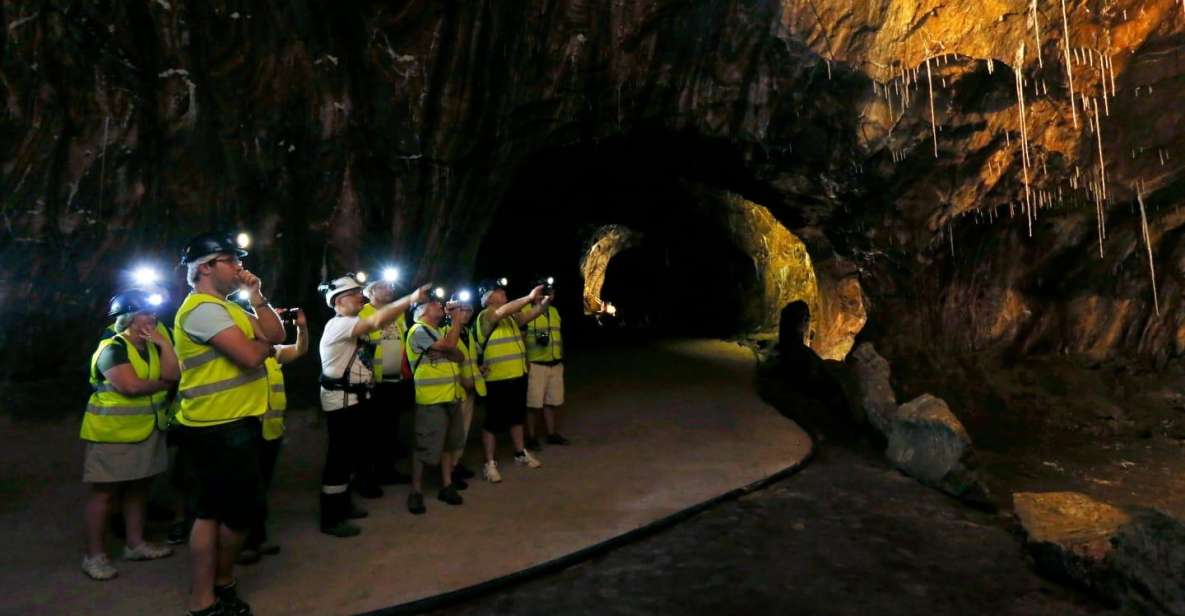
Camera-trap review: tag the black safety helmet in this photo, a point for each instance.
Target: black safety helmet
(134, 300)
(208, 244)
(491, 284)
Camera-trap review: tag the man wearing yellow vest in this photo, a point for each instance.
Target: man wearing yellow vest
(256, 544)
(545, 376)
(346, 381)
(502, 358)
(436, 365)
(224, 394)
(131, 373)
(392, 395)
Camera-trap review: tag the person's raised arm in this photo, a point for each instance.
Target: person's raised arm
(514, 307)
(388, 313)
(526, 317)
(266, 322)
(288, 353)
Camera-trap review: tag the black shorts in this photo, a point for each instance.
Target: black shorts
(223, 460)
(506, 404)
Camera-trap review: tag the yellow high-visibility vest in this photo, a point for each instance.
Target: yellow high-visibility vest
(376, 340)
(438, 381)
(504, 353)
(549, 322)
(112, 417)
(214, 390)
(469, 367)
(277, 401)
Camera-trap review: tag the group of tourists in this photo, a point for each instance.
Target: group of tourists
(211, 392)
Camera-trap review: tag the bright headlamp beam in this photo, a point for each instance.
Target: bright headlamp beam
(439, 293)
(390, 274)
(360, 276)
(156, 299)
(464, 296)
(243, 240)
(145, 276)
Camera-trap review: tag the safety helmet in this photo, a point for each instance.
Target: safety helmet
(488, 286)
(134, 300)
(210, 243)
(463, 297)
(337, 286)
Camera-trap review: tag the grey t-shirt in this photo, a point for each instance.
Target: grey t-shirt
(206, 321)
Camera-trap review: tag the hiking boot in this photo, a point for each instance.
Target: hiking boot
(450, 496)
(99, 567)
(533, 444)
(178, 533)
(232, 605)
(460, 471)
(342, 530)
(415, 503)
(368, 490)
(524, 458)
(248, 556)
(555, 439)
(146, 551)
(490, 472)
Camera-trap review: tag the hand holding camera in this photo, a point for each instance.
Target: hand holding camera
(292, 316)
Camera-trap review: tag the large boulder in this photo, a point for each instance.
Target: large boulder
(927, 442)
(873, 399)
(1131, 557)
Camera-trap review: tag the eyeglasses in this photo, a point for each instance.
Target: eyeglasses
(230, 260)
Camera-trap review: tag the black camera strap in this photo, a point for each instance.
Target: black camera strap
(421, 357)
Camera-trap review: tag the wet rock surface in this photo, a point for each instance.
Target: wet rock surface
(846, 535)
(873, 399)
(927, 442)
(1134, 558)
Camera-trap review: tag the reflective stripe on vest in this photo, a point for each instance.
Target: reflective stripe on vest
(214, 390)
(504, 355)
(277, 401)
(549, 322)
(437, 381)
(112, 417)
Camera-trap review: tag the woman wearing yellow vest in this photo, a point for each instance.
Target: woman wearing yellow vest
(256, 544)
(131, 374)
(503, 360)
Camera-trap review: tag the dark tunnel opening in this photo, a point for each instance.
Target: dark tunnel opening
(684, 277)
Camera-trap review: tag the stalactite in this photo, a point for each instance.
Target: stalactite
(933, 119)
(1037, 32)
(1069, 68)
(1148, 245)
(1024, 135)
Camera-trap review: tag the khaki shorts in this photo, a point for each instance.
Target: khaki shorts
(545, 386)
(439, 428)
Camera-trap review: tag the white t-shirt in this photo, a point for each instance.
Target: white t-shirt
(337, 346)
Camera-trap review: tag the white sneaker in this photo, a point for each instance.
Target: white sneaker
(98, 567)
(490, 472)
(527, 460)
(146, 551)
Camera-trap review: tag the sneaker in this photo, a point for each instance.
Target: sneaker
(342, 530)
(356, 512)
(460, 471)
(248, 556)
(533, 444)
(450, 496)
(178, 533)
(490, 472)
(524, 458)
(232, 605)
(215, 609)
(415, 503)
(556, 439)
(368, 490)
(146, 551)
(98, 567)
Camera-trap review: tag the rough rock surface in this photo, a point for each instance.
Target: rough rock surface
(927, 442)
(874, 400)
(1134, 557)
(894, 129)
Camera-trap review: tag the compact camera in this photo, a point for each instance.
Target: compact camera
(288, 316)
(542, 339)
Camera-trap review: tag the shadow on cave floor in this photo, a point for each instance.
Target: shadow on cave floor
(845, 535)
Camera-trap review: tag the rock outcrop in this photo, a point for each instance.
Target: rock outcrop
(927, 442)
(873, 400)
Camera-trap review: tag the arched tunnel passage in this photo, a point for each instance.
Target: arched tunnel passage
(697, 259)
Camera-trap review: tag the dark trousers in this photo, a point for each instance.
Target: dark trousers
(381, 447)
(345, 429)
(269, 453)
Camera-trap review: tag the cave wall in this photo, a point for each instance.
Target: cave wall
(342, 133)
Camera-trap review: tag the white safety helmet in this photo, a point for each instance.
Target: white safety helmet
(337, 286)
